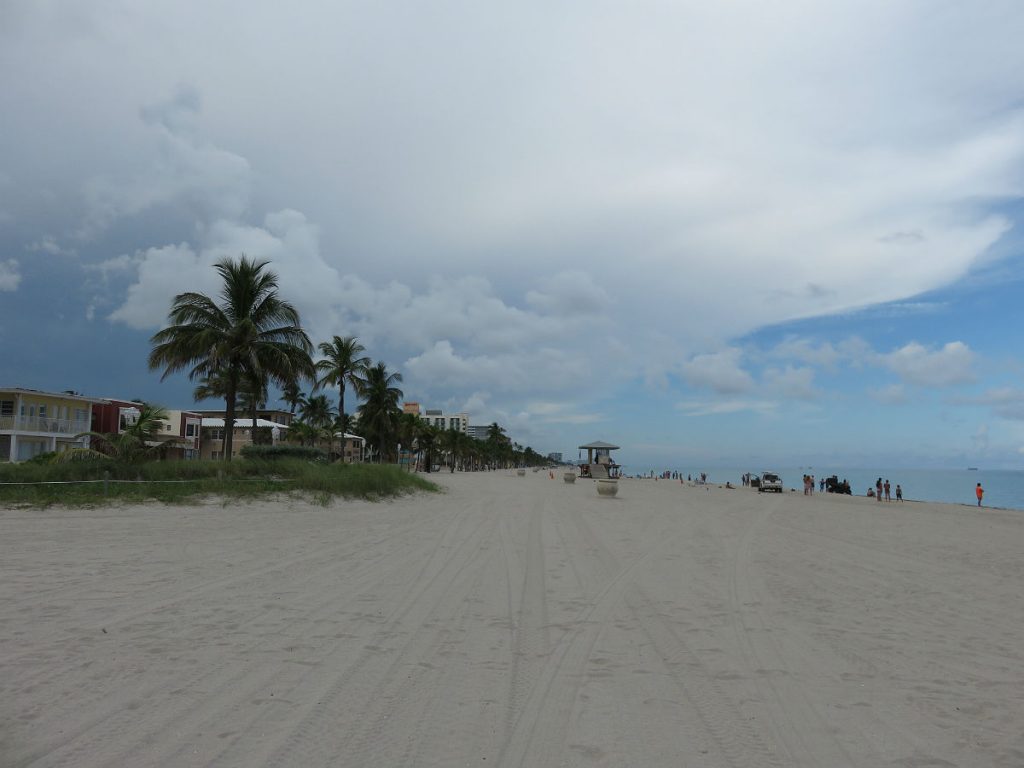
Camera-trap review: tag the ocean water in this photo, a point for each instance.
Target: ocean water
(1003, 488)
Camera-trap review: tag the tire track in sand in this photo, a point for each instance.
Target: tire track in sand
(805, 735)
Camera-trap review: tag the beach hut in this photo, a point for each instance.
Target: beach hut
(599, 460)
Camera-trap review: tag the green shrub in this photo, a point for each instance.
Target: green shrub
(81, 483)
(43, 458)
(283, 451)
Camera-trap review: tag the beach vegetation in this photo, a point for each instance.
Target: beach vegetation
(283, 451)
(92, 483)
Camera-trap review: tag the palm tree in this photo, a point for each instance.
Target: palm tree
(378, 415)
(343, 364)
(426, 440)
(318, 411)
(496, 433)
(292, 396)
(300, 432)
(450, 442)
(407, 431)
(343, 423)
(251, 332)
(251, 395)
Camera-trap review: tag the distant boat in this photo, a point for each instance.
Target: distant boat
(972, 469)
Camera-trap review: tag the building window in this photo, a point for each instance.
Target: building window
(29, 449)
(190, 430)
(215, 434)
(6, 407)
(81, 414)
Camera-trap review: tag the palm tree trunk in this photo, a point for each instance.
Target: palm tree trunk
(229, 418)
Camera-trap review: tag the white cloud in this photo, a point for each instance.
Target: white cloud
(718, 371)
(569, 293)
(48, 244)
(720, 407)
(186, 170)
(822, 355)
(162, 273)
(1005, 402)
(980, 439)
(948, 366)
(894, 394)
(10, 275)
(795, 179)
(560, 413)
(791, 382)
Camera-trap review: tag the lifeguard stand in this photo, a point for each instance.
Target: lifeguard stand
(599, 460)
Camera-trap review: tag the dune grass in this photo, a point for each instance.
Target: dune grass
(45, 484)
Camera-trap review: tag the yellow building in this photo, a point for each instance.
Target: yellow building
(34, 422)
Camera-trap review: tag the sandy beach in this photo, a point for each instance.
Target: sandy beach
(515, 622)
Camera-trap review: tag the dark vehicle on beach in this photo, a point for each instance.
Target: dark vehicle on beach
(770, 482)
(832, 485)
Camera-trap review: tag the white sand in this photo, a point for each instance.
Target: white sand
(515, 622)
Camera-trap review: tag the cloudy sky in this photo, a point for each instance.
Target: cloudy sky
(713, 233)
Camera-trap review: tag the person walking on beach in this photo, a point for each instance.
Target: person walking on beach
(979, 492)
(887, 497)
(899, 493)
(878, 489)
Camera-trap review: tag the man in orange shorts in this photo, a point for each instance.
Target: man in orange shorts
(979, 492)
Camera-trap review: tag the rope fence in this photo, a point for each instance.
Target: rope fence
(108, 481)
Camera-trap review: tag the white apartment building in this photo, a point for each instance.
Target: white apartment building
(442, 420)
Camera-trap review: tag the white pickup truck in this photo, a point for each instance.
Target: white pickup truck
(770, 482)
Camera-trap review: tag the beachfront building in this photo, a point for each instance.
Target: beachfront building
(353, 448)
(180, 432)
(555, 456)
(477, 432)
(275, 415)
(272, 427)
(212, 441)
(34, 422)
(438, 418)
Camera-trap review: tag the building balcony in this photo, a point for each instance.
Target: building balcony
(43, 425)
